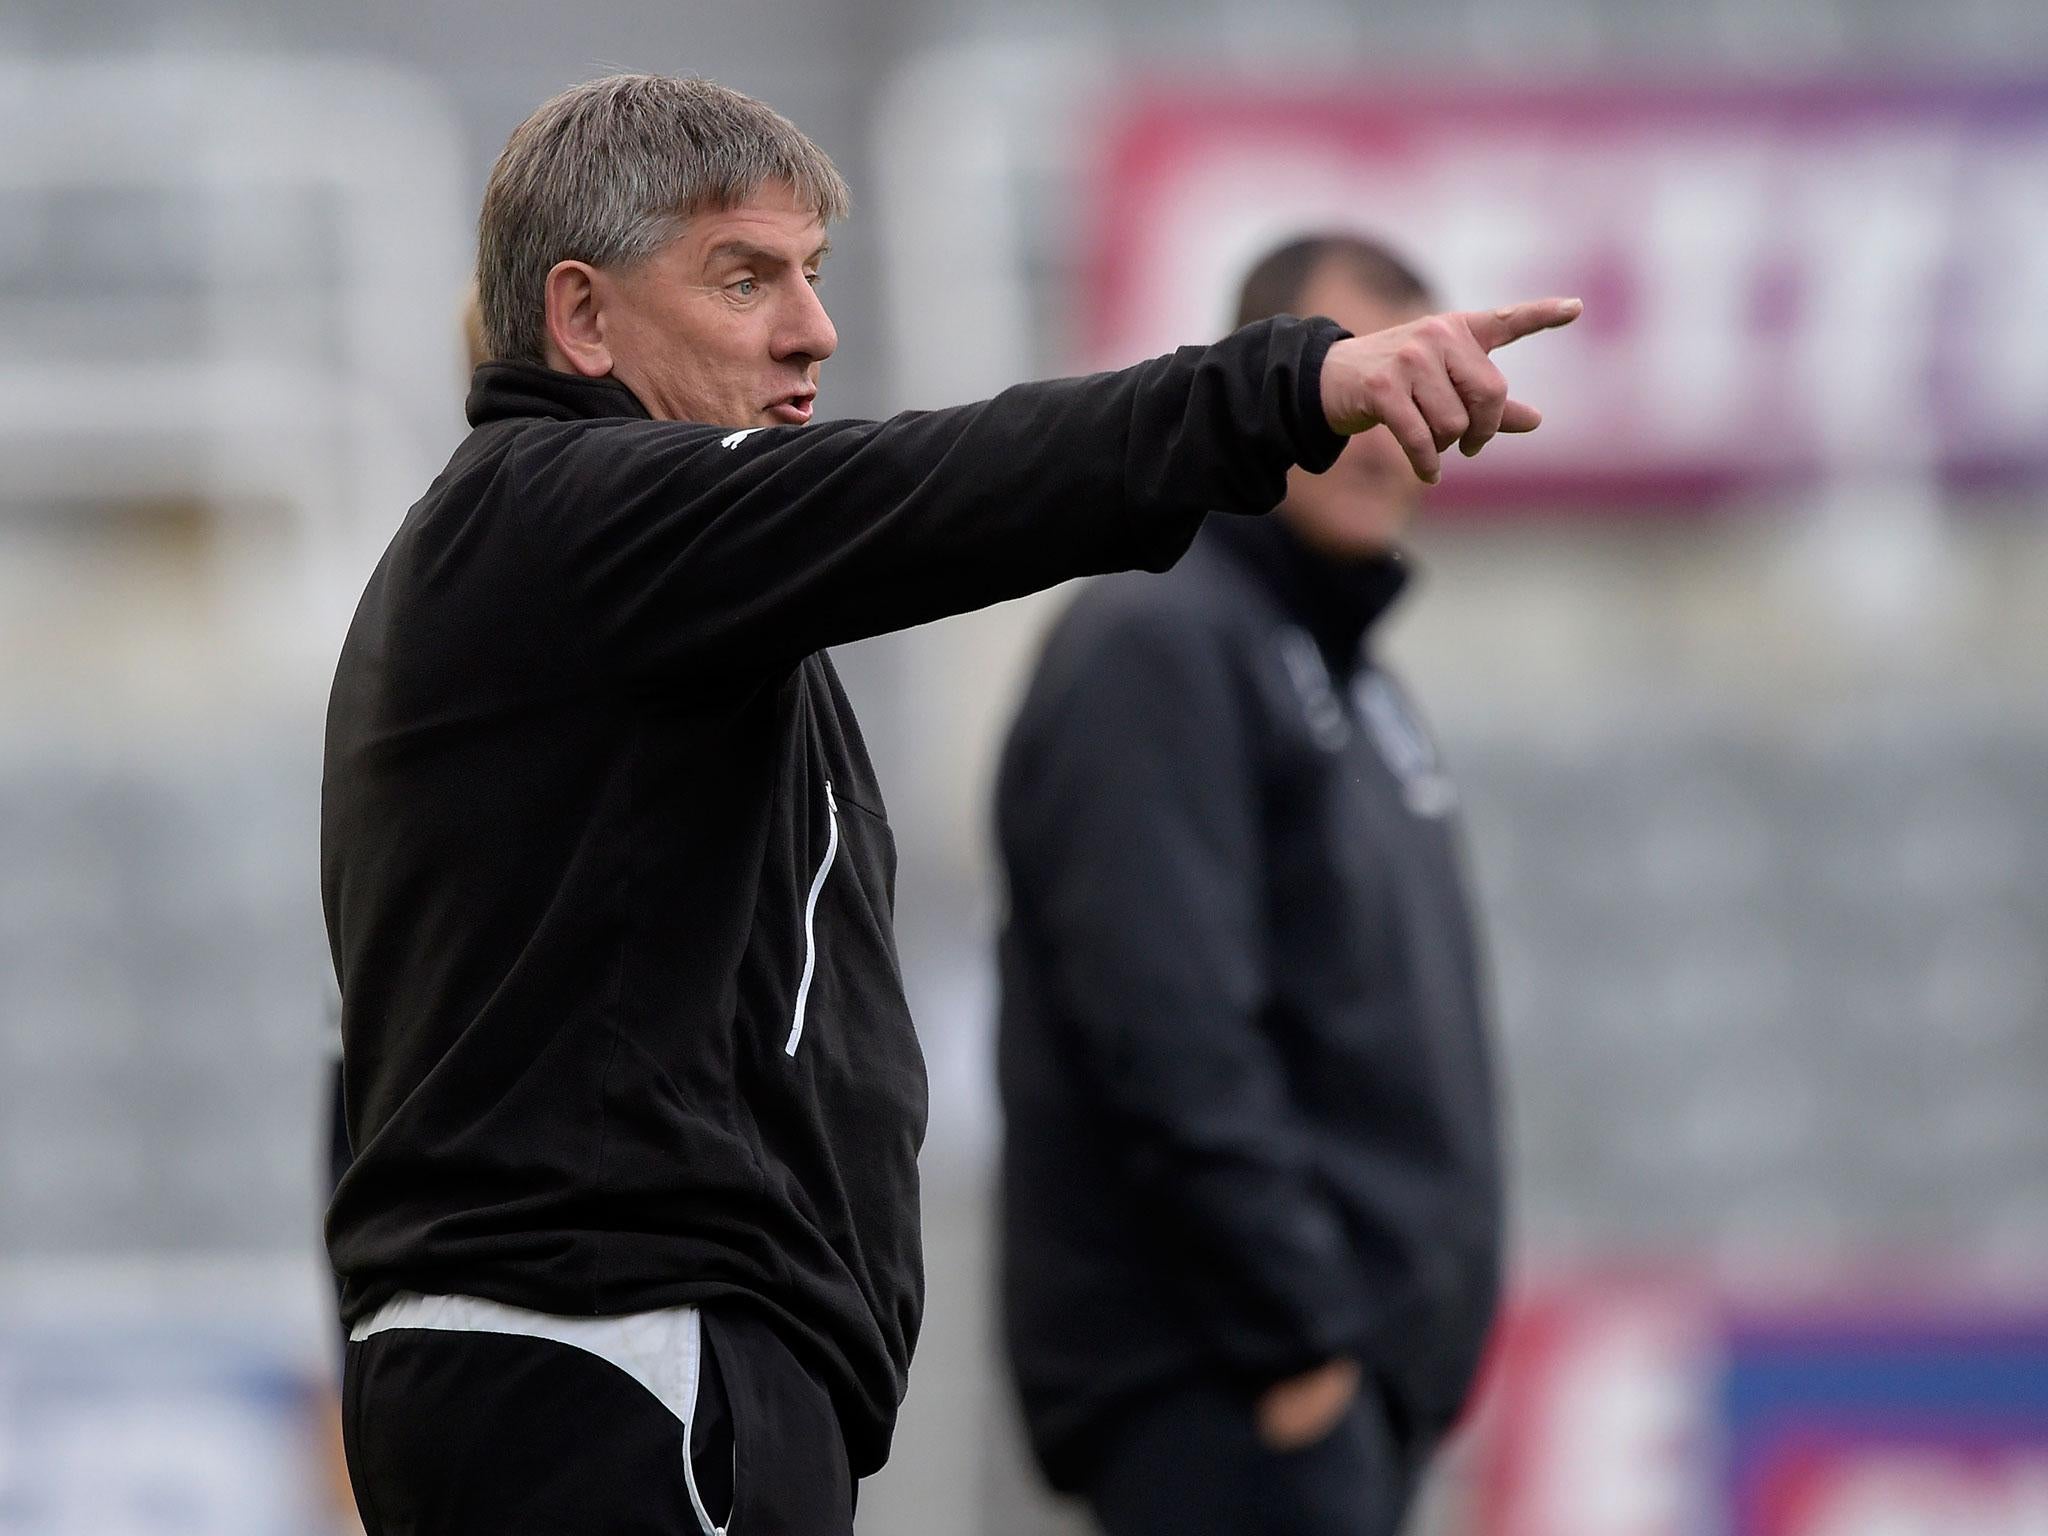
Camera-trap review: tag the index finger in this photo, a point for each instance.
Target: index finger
(1511, 322)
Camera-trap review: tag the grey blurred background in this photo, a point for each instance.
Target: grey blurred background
(1755, 782)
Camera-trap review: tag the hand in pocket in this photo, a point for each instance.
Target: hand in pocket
(1294, 1414)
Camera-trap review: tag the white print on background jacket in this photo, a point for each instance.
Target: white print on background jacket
(1402, 743)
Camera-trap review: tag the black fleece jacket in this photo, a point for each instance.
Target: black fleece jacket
(1243, 1058)
(607, 875)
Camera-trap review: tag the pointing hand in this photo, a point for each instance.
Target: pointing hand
(1431, 383)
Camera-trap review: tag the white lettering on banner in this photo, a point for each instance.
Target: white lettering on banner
(1925, 1493)
(1777, 283)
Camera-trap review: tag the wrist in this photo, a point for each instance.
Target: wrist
(1318, 443)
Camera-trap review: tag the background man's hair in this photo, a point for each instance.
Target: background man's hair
(608, 172)
(1276, 282)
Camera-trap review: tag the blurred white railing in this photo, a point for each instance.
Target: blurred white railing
(327, 387)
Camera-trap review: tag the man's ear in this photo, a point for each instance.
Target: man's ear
(575, 321)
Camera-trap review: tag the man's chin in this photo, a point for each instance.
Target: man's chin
(1386, 531)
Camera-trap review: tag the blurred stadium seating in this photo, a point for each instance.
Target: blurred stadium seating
(1755, 792)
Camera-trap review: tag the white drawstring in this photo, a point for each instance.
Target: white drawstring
(803, 987)
(693, 1381)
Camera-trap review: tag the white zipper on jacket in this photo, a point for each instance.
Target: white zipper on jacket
(803, 988)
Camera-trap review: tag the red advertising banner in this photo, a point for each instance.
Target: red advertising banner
(1784, 284)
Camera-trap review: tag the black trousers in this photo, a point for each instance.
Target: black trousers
(490, 1434)
(1189, 1462)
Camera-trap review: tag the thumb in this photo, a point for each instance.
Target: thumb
(1517, 417)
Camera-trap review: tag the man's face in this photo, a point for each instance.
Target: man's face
(723, 325)
(1363, 504)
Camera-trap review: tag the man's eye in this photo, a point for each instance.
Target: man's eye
(744, 287)
(814, 278)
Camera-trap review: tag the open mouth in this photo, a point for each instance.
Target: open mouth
(793, 410)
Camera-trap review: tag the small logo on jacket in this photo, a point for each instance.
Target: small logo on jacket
(1404, 745)
(1320, 708)
(734, 439)
(1399, 737)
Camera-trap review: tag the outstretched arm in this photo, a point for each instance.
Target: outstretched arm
(681, 545)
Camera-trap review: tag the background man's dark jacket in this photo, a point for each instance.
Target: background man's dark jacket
(1249, 1115)
(607, 875)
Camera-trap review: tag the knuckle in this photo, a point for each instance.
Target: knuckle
(1448, 414)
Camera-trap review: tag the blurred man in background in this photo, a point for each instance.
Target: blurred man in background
(1251, 1199)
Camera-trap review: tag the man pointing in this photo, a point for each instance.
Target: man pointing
(630, 1240)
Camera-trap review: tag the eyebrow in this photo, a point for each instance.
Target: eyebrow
(755, 255)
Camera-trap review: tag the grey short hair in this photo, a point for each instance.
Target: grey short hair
(610, 171)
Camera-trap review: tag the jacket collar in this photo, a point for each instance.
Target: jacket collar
(498, 391)
(1336, 602)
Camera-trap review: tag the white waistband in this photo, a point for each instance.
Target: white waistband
(661, 1350)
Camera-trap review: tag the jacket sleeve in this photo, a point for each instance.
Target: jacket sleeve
(669, 545)
(1130, 822)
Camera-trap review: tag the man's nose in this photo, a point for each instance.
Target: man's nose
(806, 331)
